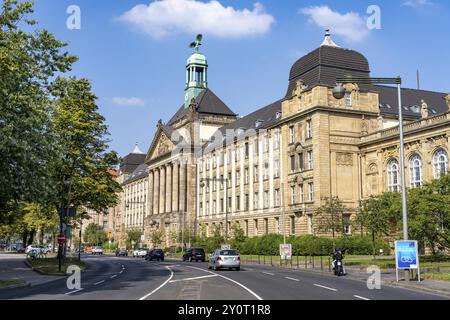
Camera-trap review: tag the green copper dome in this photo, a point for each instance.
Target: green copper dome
(198, 59)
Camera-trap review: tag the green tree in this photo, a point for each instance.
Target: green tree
(157, 237)
(133, 238)
(429, 214)
(217, 238)
(81, 135)
(330, 217)
(94, 234)
(377, 215)
(29, 60)
(238, 236)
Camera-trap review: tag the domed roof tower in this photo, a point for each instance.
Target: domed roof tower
(196, 73)
(325, 64)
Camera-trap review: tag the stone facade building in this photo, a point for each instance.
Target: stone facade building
(270, 170)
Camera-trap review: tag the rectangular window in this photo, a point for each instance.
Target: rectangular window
(292, 164)
(266, 199)
(276, 141)
(229, 181)
(293, 198)
(222, 159)
(246, 150)
(229, 204)
(246, 177)
(347, 224)
(309, 159)
(266, 144)
(348, 98)
(222, 206)
(256, 147)
(301, 162)
(238, 178)
(256, 171)
(238, 203)
(266, 226)
(214, 207)
(238, 154)
(291, 135)
(277, 197)
(207, 208)
(302, 194)
(277, 168)
(308, 129)
(310, 224)
(292, 225)
(247, 202)
(255, 221)
(246, 227)
(277, 225)
(266, 170)
(310, 191)
(228, 156)
(221, 181)
(256, 201)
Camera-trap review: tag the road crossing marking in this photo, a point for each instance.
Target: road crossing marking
(362, 298)
(113, 276)
(328, 288)
(270, 274)
(293, 279)
(196, 278)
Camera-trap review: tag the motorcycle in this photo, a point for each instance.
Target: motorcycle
(338, 268)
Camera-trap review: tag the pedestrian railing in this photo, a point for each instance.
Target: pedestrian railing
(296, 262)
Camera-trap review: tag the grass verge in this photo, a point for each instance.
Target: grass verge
(444, 276)
(50, 266)
(11, 283)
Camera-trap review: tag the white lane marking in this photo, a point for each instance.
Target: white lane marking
(362, 298)
(196, 278)
(113, 276)
(121, 272)
(74, 291)
(165, 282)
(328, 288)
(293, 279)
(99, 282)
(229, 279)
(270, 274)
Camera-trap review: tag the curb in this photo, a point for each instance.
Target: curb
(50, 274)
(27, 284)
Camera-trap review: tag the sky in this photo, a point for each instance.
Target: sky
(134, 51)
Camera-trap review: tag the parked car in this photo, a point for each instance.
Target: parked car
(156, 254)
(45, 249)
(97, 250)
(149, 252)
(230, 259)
(121, 252)
(197, 254)
(33, 247)
(139, 253)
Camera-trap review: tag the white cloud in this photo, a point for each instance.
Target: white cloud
(351, 26)
(161, 18)
(416, 3)
(130, 102)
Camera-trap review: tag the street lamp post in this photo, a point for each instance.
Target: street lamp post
(225, 181)
(339, 93)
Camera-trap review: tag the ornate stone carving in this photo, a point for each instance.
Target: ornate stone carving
(372, 168)
(344, 159)
(364, 127)
(424, 109)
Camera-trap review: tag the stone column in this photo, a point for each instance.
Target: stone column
(168, 198)
(162, 190)
(156, 192)
(175, 181)
(150, 192)
(182, 184)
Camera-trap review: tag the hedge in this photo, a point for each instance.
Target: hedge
(301, 245)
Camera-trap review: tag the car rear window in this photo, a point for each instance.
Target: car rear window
(229, 253)
(198, 251)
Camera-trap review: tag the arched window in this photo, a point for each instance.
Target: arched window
(415, 171)
(440, 161)
(393, 182)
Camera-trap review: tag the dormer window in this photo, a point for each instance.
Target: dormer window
(278, 115)
(258, 123)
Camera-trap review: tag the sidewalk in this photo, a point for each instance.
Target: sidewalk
(387, 277)
(12, 266)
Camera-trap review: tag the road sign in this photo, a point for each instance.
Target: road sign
(110, 235)
(142, 237)
(61, 238)
(407, 255)
(286, 251)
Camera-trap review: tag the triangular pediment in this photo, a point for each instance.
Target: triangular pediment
(160, 146)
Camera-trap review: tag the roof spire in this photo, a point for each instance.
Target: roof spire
(328, 41)
(136, 150)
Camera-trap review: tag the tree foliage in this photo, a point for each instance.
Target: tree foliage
(329, 218)
(94, 234)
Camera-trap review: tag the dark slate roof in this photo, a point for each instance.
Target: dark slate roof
(325, 64)
(138, 173)
(207, 103)
(131, 161)
(411, 101)
(258, 120)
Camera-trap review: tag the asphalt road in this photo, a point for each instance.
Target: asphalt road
(126, 278)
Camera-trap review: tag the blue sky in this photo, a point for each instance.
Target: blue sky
(135, 56)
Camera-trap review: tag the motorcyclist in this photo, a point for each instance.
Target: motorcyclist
(338, 256)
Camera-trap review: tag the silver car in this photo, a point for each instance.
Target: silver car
(225, 259)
